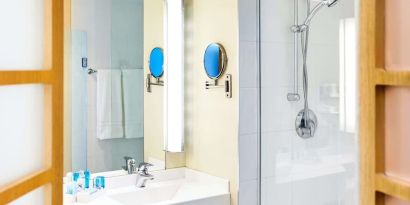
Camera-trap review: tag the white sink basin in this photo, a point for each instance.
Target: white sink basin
(177, 186)
(150, 195)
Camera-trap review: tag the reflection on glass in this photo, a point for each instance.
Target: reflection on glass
(348, 75)
(107, 118)
(156, 62)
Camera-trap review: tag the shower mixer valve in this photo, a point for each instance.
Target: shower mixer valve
(306, 120)
(306, 124)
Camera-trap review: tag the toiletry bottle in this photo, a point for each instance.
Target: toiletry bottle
(99, 182)
(67, 183)
(87, 176)
(71, 185)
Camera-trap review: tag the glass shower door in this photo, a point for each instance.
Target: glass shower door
(321, 170)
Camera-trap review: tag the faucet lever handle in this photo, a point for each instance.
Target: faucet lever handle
(143, 167)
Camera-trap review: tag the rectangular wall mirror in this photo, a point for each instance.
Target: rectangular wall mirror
(109, 113)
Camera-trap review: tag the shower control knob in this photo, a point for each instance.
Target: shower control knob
(306, 124)
(293, 97)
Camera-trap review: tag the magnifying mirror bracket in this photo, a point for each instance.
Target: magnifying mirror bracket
(149, 83)
(227, 85)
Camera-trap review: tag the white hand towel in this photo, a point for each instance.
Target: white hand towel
(133, 90)
(109, 104)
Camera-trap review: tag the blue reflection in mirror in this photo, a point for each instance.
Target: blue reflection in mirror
(156, 62)
(214, 60)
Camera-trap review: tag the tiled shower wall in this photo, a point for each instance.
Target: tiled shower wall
(321, 170)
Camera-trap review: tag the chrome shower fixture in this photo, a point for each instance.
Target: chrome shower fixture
(306, 120)
(312, 13)
(306, 124)
(328, 3)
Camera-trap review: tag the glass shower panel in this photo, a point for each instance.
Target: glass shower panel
(321, 170)
(23, 135)
(35, 197)
(22, 41)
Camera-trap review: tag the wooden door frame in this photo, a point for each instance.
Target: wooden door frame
(52, 78)
(374, 184)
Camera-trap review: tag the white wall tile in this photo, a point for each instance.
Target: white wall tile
(248, 194)
(248, 153)
(248, 110)
(247, 20)
(278, 114)
(276, 152)
(276, 64)
(274, 192)
(276, 21)
(248, 64)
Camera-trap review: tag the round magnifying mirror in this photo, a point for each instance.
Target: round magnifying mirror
(156, 62)
(215, 60)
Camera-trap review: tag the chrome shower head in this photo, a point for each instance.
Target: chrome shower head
(328, 3)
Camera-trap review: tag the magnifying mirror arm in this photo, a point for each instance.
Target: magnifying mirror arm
(149, 83)
(227, 85)
(212, 84)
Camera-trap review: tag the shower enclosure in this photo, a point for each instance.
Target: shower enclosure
(307, 161)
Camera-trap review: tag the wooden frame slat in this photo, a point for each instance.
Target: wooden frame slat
(53, 79)
(367, 106)
(392, 78)
(24, 185)
(58, 13)
(26, 77)
(393, 187)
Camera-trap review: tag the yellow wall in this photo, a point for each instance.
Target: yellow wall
(153, 102)
(211, 119)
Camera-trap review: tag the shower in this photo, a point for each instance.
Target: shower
(306, 120)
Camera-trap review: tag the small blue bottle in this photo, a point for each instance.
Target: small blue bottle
(99, 182)
(87, 176)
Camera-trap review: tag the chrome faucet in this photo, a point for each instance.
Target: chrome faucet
(130, 165)
(142, 175)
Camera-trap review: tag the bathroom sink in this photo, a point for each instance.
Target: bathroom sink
(150, 195)
(176, 186)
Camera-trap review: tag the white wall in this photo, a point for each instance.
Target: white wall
(321, 170)
(110, 44)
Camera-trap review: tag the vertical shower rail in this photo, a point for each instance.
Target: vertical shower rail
(295, 95)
